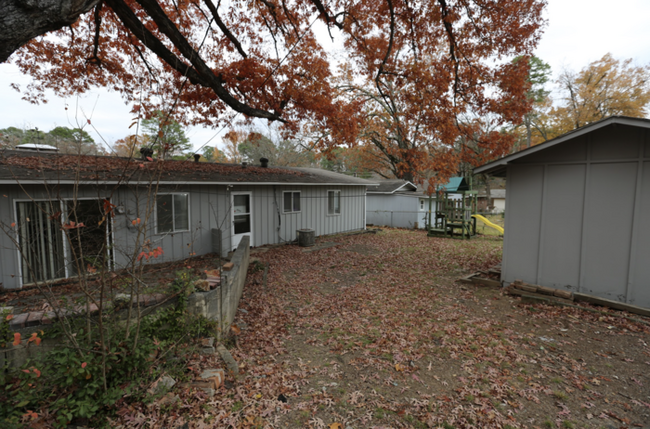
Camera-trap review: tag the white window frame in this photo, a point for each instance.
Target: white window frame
(335, 192)
(189, 217)
(284, 211)
(421, 203)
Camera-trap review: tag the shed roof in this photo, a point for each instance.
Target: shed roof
(393, 186)
(30, 167)
(498, 167)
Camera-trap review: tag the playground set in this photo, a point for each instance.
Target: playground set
(455, 216)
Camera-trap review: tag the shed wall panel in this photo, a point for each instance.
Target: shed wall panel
(614, 143)
(609, 209)
(562, 226)
(523, 218)
(639, 294)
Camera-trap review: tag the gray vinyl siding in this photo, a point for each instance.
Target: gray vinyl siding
(577, 216)
(272, 226)
(396, 210)
(209, 208)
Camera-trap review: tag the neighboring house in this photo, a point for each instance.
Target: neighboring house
(495, 204)
(401, 204)
(578, 213)
(190, 208)
(397, 203)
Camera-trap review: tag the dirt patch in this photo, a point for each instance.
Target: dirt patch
(361, 249)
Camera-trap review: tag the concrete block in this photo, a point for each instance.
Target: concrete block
(231, 363)
(202, 285)
(18, 321)
(34, 318)
(163, 382)
(48, 318)
(213, 273)
(216, 376)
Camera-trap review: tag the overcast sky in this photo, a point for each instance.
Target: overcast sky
(578, 32)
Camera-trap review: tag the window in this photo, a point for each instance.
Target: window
(172, 213)
(421, 204)
(57, 238)
(333, 202)
(40, 241)
(291, 201)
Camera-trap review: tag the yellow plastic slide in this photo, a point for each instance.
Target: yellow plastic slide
(488, 223)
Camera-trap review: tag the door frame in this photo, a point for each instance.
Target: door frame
(232, 217)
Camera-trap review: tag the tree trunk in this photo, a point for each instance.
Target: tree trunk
(529, 131)
(488, 192)
(23, 20)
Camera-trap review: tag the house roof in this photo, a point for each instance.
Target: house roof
(494, 193)
(393, 186)
(30, 167)
(498, 167)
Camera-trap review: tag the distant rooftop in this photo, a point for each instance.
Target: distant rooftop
(37, 147)
(391, 186)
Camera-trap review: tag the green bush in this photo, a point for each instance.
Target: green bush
(86, 380)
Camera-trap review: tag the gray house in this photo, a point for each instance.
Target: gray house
(495, 204)
(397, 203)
(578, 212)
(189, 208)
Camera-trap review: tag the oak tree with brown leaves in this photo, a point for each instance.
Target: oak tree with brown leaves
(411, 68)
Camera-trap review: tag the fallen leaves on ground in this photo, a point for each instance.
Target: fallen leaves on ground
(375, 333)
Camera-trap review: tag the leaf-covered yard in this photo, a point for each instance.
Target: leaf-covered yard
(373, 332)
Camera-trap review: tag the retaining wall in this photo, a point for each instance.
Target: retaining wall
(220, 304)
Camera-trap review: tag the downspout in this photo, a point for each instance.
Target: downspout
(277, 208)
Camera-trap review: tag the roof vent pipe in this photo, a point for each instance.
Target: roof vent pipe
(264, 162)
(146, 153)
(197, 157)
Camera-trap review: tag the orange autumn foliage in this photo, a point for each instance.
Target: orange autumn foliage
(408, 73)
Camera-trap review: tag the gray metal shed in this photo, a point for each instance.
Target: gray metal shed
(578, 213)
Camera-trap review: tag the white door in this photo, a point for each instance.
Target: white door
(242, 217)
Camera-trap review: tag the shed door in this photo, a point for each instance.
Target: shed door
(242, 218)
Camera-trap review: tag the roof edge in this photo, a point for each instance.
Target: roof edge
(499, 165)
